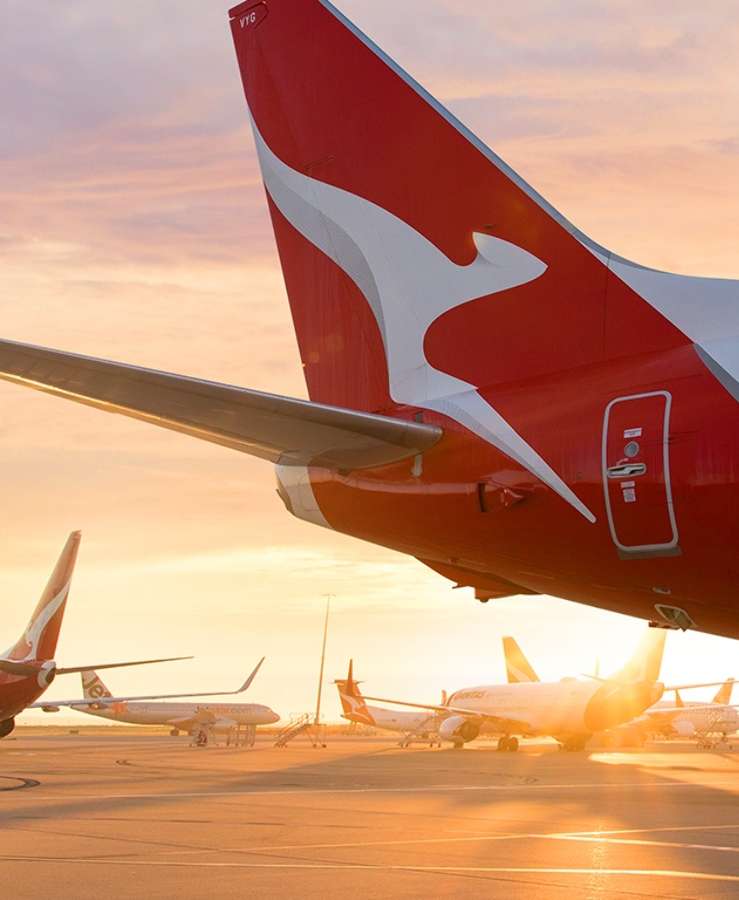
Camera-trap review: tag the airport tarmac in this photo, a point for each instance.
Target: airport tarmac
(130, 815)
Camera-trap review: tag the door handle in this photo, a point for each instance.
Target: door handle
(626, 470)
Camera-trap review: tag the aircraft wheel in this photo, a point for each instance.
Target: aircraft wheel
(6, 726)
(502, 743)
(458, 745)
(512, 746)
(174, 732)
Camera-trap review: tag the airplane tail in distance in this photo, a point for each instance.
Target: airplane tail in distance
(353, 705)
(646, 662)
(93, 687)
(517, 667)
(39, 640)
(724, 693)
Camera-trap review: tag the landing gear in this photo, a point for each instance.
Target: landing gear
(6, 726)
(509, 744)
(174, 732)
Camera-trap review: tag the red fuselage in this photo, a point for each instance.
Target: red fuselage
(476, 516)
(17, 692)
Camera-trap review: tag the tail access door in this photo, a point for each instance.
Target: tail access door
(636, 475)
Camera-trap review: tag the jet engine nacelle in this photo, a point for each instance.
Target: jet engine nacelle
(459, 729)
(684, 728)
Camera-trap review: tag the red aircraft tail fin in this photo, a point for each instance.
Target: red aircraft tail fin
(414, 258)
(423, 274)
(39, 640)
(353, 704)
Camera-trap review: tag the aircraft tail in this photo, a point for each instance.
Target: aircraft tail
(723, 696)
(389, 215)
(93, 687)
(39, 640)
(517, 667)
(646, 662)
(418, 265)
(353, 705)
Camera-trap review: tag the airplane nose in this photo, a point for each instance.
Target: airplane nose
(273, 717)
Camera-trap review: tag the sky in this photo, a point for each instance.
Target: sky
(134, 227)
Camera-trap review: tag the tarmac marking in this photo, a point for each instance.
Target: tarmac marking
(637, 843)
(590, 836)
(426, 789)
(364, 867)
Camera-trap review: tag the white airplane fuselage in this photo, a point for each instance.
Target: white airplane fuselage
(394, 720)
(158, 713)
(557, 709)
(703, 719)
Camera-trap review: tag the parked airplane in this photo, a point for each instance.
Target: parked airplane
(28, 667)
(414, 726)
(570, 711)
(489, 387)
(710, 723)
(193, 718)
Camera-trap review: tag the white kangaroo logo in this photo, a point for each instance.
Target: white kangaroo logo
(409, 283)
(36, 628)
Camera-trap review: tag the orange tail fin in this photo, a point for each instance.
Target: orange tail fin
(353, 704)
(517, 667)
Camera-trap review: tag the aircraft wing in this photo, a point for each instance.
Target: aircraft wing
(201, 718)
(184, 722)
(501, 721)
(678, 711)
(100, 702)
(69, 670)
(204, 717)
(283, 430)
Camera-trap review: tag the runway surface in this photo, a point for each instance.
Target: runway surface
(146, 816)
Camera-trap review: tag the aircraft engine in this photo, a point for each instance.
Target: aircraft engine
(684, 728)
(459, 729)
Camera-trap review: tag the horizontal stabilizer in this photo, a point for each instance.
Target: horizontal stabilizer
(68, 670)
(10, 667)
(283, 430)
